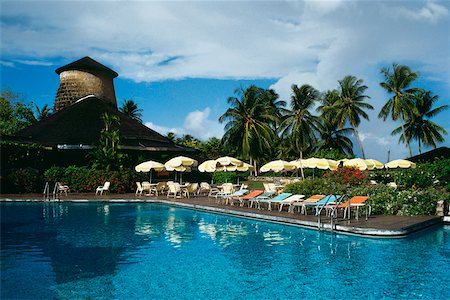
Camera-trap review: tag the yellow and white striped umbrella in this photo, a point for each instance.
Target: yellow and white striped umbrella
(228, 161)
(358, 163)
(149, 165)
(300, 163)
(208, 166)
(321, 163)
(400, 163)
(277, 166)
(375, 164)
(180, 161)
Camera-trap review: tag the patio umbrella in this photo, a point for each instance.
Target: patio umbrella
(208, 166)
(277, 166)
(375, 163)
(400, 163)
(180, 164)
(148, 166)
(359, 163)
(228, 161)
(321, 163)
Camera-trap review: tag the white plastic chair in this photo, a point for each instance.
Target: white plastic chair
(105, 188)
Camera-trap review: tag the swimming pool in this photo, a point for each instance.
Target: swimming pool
(123, 251)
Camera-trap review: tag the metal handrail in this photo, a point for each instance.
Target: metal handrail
(333, 211)
(319, 211)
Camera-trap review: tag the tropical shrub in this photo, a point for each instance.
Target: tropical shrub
(347, 176)
(309, 187)
(83, 179)
(23, 181)
(223, 177)
(401, 202)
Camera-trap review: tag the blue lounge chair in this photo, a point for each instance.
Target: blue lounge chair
(324, 201)
(229, 198)
(277, 200)
(264, 195)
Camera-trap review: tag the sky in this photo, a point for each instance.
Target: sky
(181, 60)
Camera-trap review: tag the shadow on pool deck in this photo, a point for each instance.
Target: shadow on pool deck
(375, 226)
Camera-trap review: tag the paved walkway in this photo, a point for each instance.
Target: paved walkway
(376, 226)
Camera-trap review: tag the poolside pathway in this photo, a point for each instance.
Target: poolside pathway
(377, 226)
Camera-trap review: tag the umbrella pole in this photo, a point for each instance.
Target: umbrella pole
(150, 175)
(181, 178)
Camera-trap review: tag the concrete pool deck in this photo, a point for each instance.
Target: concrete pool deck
(375, 226)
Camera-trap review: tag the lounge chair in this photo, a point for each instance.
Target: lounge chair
(269, 187)
(239, 193)
(255, 200)
(276, 200)
(297, 198)
(174, 189)
(356, 201)
(251, 195)
(139, 188)
(61, 188)
(191, 189)
(226, 190)
(159, 188)
(327, 200)
(103, 188)
(300, 204)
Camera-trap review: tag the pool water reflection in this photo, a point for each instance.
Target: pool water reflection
(65, 250)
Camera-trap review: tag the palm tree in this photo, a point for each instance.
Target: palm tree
(43, 113)
(130, 108)
(328, 99)
(275, 106)
(332, 137)
(248, 123)
(419, 127)
(399, 106)
(299, 123)
(350, 105)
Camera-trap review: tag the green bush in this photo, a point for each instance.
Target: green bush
(83, 179)
(23, 181)
(223, 177)
(401, 202)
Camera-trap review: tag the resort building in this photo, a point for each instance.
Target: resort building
(86, 91)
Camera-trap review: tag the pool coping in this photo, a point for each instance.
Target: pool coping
(337, 228)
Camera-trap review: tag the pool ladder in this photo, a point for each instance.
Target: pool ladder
(46, 193)
(333, 213)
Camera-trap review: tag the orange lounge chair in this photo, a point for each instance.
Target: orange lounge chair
(311, 200)
(356, 201)
(242, 199)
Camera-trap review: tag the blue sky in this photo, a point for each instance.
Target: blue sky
(180, 61)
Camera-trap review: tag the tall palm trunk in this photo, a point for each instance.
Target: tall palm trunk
(420, 150)
(404, 136)
(359, 141)
(255, 166)
(301, 166)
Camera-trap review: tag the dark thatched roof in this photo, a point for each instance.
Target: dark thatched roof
(432, 154)
(81, 123)
(89, 65)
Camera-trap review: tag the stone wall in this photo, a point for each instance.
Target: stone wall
(74, 84)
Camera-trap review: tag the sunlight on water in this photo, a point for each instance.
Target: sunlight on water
(125, 251)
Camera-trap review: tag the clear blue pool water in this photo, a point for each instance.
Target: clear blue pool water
(136, 251)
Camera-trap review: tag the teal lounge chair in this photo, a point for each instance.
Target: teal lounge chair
(228, 198)
(277, 200)
(264, 195)
(324, 201)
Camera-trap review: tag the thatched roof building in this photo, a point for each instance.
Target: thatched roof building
(85, 93)
(78, 127)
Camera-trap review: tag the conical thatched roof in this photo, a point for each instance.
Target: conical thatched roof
(89, 65)
(81, 123)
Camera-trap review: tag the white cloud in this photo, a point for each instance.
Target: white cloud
(196, 123)
(34, 62)
(163, 129)
(295, 42)
(431, 12)
(7, 64)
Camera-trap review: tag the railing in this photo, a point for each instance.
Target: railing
(333, 213)
(46, 193)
